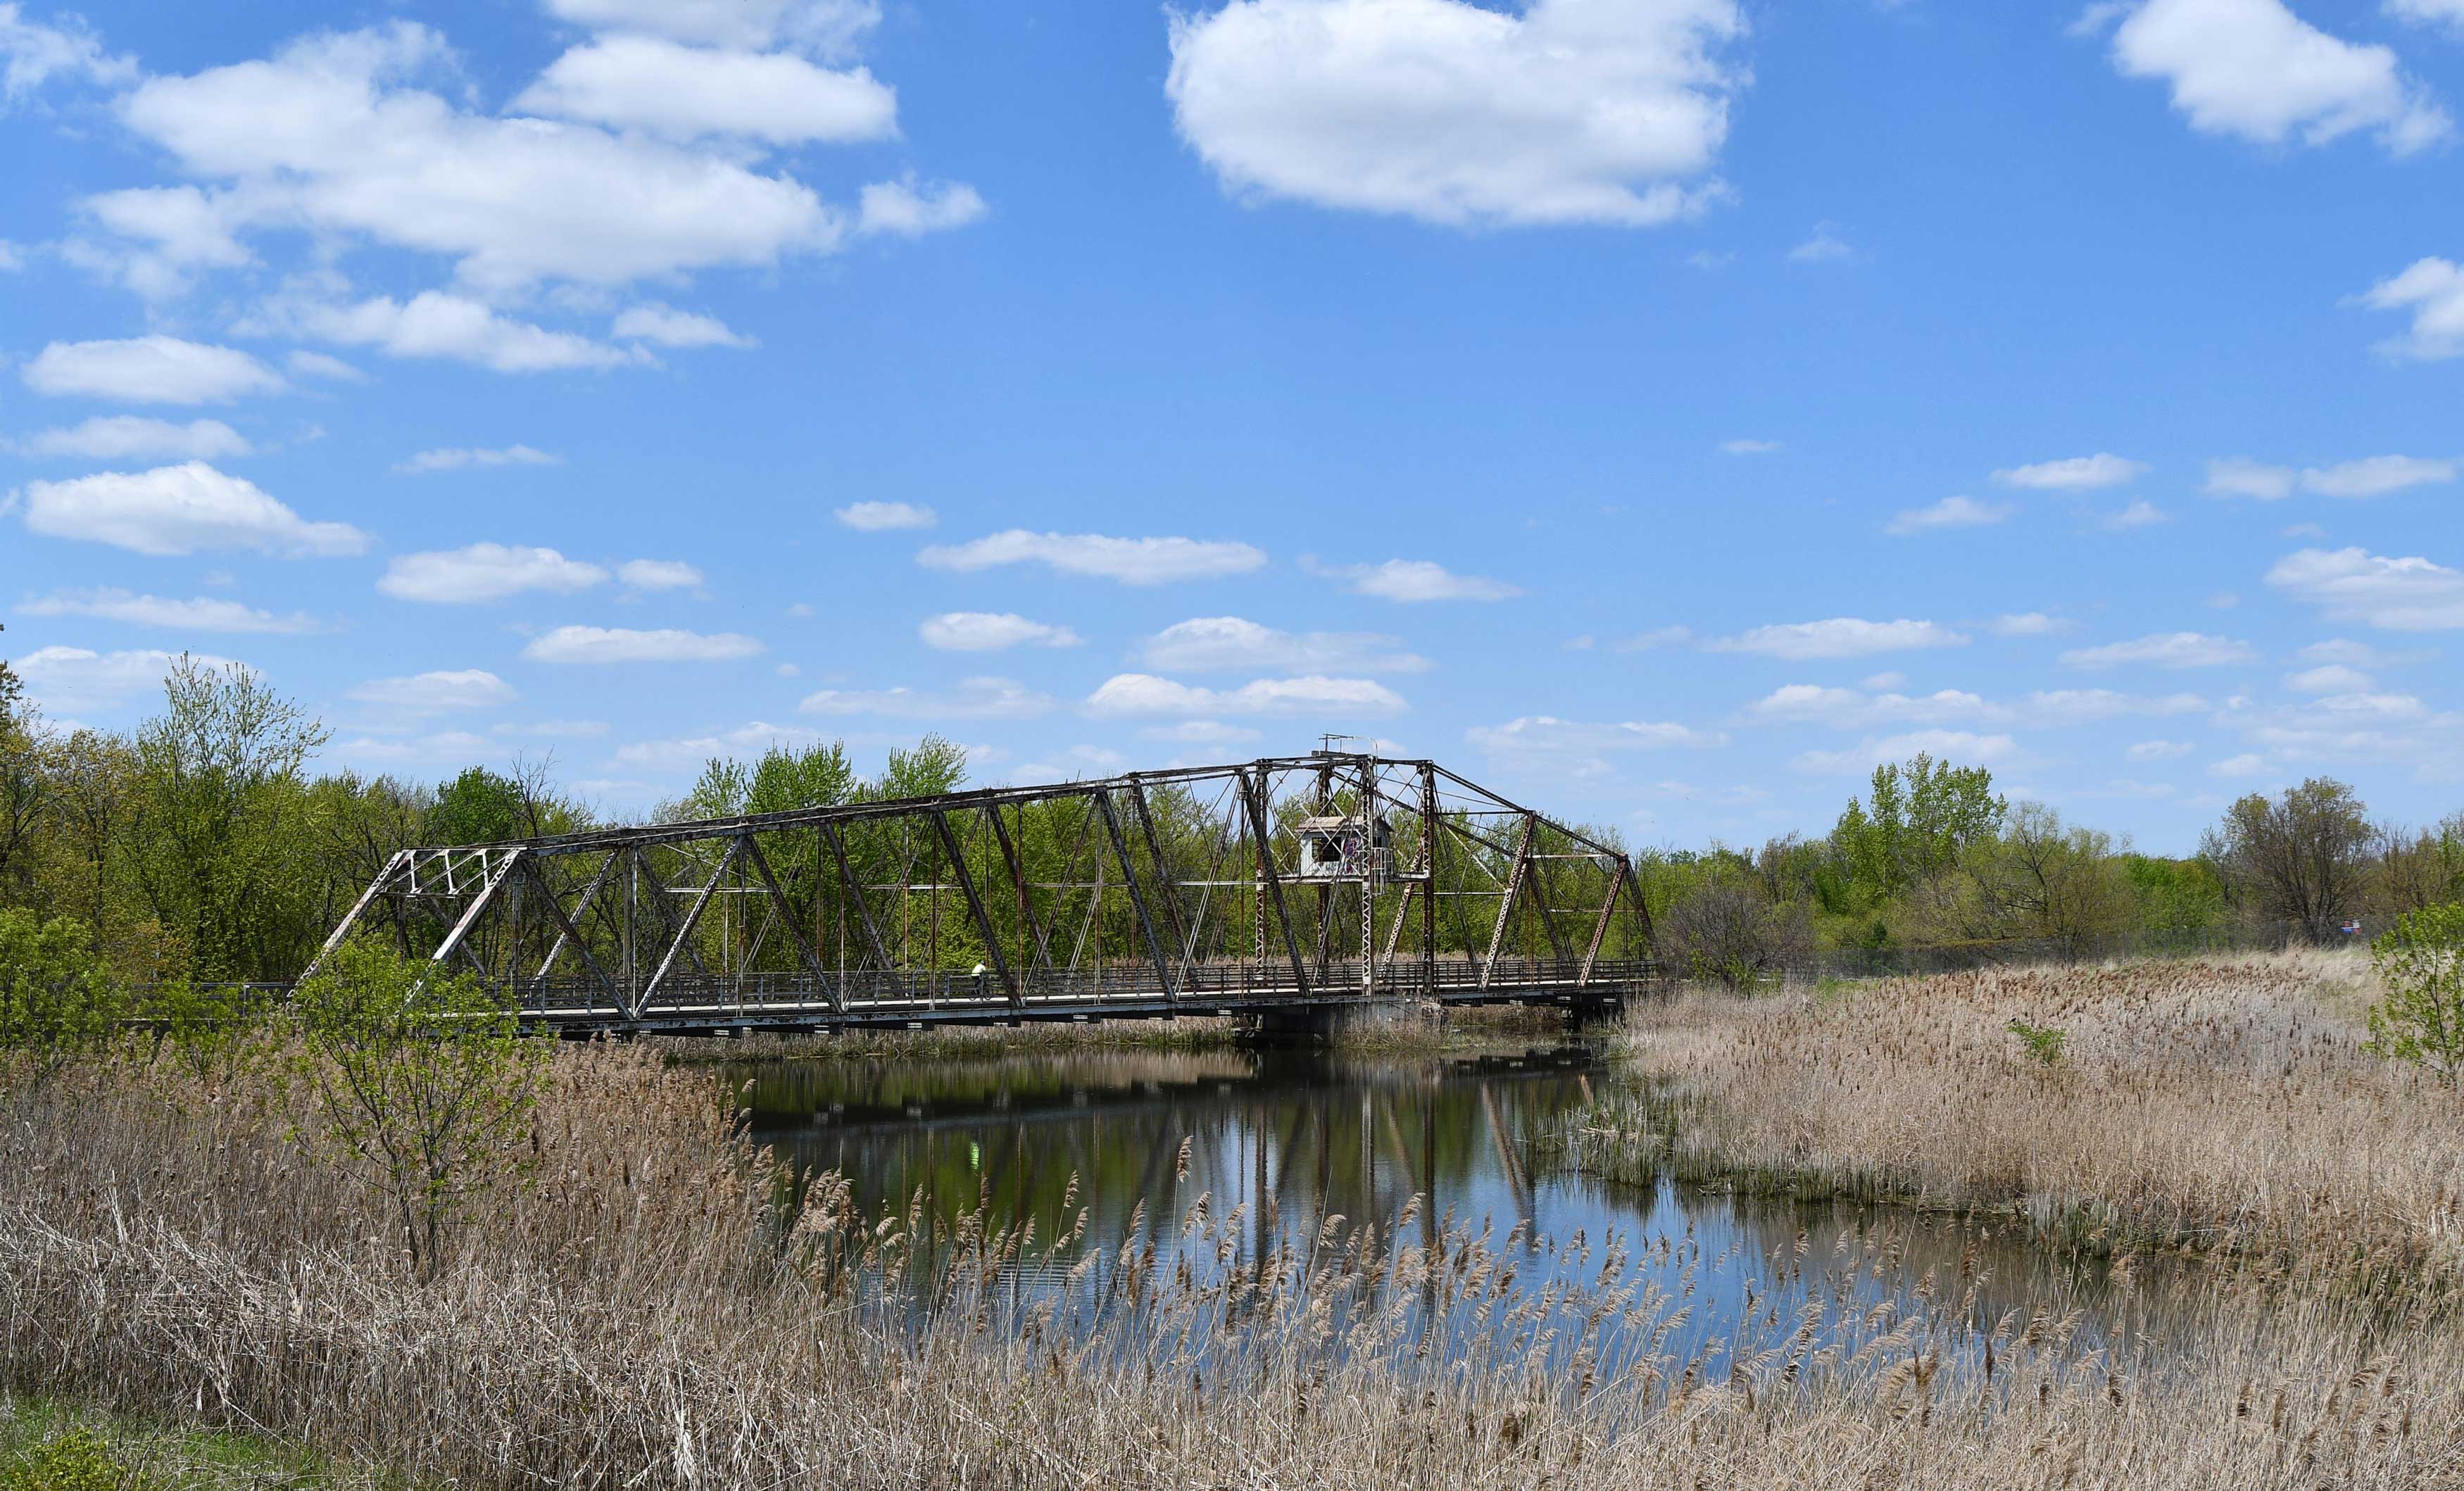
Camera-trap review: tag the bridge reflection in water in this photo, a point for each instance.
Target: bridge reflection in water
(1282, 887)
(1290, 1137)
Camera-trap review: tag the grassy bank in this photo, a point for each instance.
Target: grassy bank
(2213, 1105)
(636, 1313)
(51, 1446)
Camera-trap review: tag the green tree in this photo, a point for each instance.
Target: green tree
(1915, 823)
(2420, 964)
(420, 1084)
(2174, 895)
(58, 1002)
(218, 821)
(2299, 859)
(2045, 879)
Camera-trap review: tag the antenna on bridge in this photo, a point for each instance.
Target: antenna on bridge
(1327, 744)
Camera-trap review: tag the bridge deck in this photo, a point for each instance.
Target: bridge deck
(920, 1001)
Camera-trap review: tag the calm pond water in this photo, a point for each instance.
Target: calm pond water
(1294, 1136)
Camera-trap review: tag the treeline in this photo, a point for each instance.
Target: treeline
(201, 845)
(1932, 855)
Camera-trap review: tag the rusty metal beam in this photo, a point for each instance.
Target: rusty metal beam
(1253, 797)
(1137, 899)
(1601, 928)
(856, 893)
(1506, 903)
(976, 909)
(795, 925)
(684, 933)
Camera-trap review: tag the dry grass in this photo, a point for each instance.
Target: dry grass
(2211, 1103)
(642, 1316)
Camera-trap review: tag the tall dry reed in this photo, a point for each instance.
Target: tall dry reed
(2213, 1103)
(642, 1313)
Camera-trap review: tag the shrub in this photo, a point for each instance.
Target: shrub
(74, 1460)
(421, 1084)
(2420, 961)
(57, 998)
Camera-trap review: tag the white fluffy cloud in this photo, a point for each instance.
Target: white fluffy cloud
(1849, 709)
(437, 324)
(2433, 290)
(1145, 694)
(2330, 678)
(987, 631)
(2449, 12)
(1232, 643)
(909, 210)
(1949, 513)
(683, 93)
(1546, 734)
(2075, 473)
(2253, 69)
(185, 509)
(337, 134)
(1133, 561)
(618, 645)
(202, 614)
(32, 53)
(120, 437)
(972, 699)
(665, 326)
(2159, 749)
(658, 575)
(75, 680)
(2164, 650)
(2354, 584)
(1413, 582)
(485, 572)
(2027, 624)
(1841, 636)
(1562, 111)
(437, 693)
(2139, 514)
(1961, 747)
(154, 369)
(455, 458)
(2370, 476)
(874, 517)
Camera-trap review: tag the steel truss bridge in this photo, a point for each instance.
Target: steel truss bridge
(1285, 888)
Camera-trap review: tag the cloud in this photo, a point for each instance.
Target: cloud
(2340, 649)
(1200, 732)
(874, 517)
(2255, 70)
(2433, 290)
(1450, 113)
(1957, 746)
(459, 458)
(1750, 446)
(32, 53)
(658, 575)
(2164, 650)
(744, 740)
(660, 87)
(555, 729)
(1824, 246)
(2159, 749)
(1949, 513)
(120, 437)
(905, 210)
(485, 572)
(202, 614)
(154, 369)
(617, 644)
(824, 27)
(437, 324)
(973, 698)
(1133, 561)
(2449, 12)
(177, 509)
(2238, 476)
(2393, 594)
(1230, 644)
(2139, 514)
(75, 680)
(1414, 581)
(2377, 475)
(438, 692)
(2245, 765)
(2027, 624)
(1545, 735)
(2330, 678)
(666, 326)
(1145, 694)
(317, 364)
(336, 135)
(1841, 636)
(985, 631)
(1848, 709)
(2074, 474)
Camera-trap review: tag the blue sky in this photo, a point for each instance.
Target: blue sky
(1659, 409)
